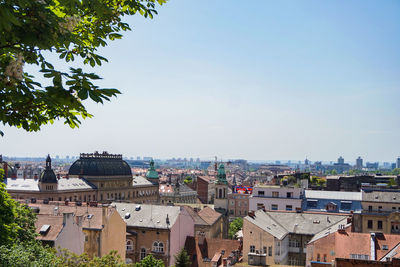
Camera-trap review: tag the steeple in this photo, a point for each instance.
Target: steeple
(152, 174)
(48, 162)
(221, 176)
(48, 176)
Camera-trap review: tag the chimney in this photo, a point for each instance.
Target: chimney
(104, 213)
(200, 238)
(252, 214)
(373, 247)
(67, 218)
(79, 220)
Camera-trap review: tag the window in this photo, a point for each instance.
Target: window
(312, 203)
(370, 224)
(324, 257)
(86, 238)
(380, 208)
(264, 250)
(370, 208)
(289, 207)
(252, 249)
(142, 253)
(385, 247)
(274, 207)
(260, 206)
(318, 257)
(270, 251)
(129, 245)
(275, 194)
(231, 212)
(158, 247)
(289, 195)
(294, 243)
(380, 225)
(359, 256)
(345, 205)
(261, 193)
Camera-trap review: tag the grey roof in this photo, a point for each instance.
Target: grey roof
(33, 184)
(148, 216)
(337, 195)
(377, 196)
(266, 222)
(140, 180)
(280, 223)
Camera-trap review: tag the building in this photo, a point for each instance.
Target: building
(206, 189)
(398, 162)
(93, 177)
(61, 232)
(207, 222)
(348, 182)
(359, 163)
(270, 197)
(102, 227)
(332, 201)
(155, 229)
(380, 213)
(221, 198)
(341, 243)
(238, 204)
(178, 193)
(210, 252)
(280, 237)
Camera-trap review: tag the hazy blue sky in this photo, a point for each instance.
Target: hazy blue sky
(259, 80)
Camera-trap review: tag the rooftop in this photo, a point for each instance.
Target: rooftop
(337, 195)
(148, 216)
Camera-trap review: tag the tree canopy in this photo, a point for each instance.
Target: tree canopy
(182, 259)
(149, 261)
(72, 29)
(234, 227)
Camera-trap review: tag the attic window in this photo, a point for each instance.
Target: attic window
(90, 216)
(44, 229)
(385, 247)
(127, 215)
(316, 222)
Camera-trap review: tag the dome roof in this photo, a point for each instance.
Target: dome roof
(100, 165)
(152, 173)
(221, 176)
(48, 175)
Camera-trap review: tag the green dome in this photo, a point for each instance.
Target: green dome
(152, 173)
(221, 176)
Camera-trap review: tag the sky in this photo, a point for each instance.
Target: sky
(259, 80)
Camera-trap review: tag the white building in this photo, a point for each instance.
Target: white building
(276, 198)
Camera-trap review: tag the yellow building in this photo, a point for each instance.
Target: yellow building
(380, 213)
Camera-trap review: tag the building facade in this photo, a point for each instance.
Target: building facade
(276, 198)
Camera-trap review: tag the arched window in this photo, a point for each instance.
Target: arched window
(129, 245)
(220, 193)
(158, 247)
(142, 253)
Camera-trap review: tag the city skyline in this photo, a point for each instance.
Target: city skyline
(280, 81)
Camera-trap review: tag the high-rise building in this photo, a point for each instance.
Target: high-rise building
(340, 160)
(398, 162)
(359, 163)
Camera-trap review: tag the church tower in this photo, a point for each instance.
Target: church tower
(152, 174)
(221, 191)
(48, 180)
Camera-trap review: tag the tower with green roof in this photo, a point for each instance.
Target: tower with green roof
(221, 191)
(152, 174)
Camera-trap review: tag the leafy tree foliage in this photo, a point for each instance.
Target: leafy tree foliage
(17, 222)
(182, 259)
(21, 254)
(69, 259)
(234, 227)
(72, 29)
(149, 261)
